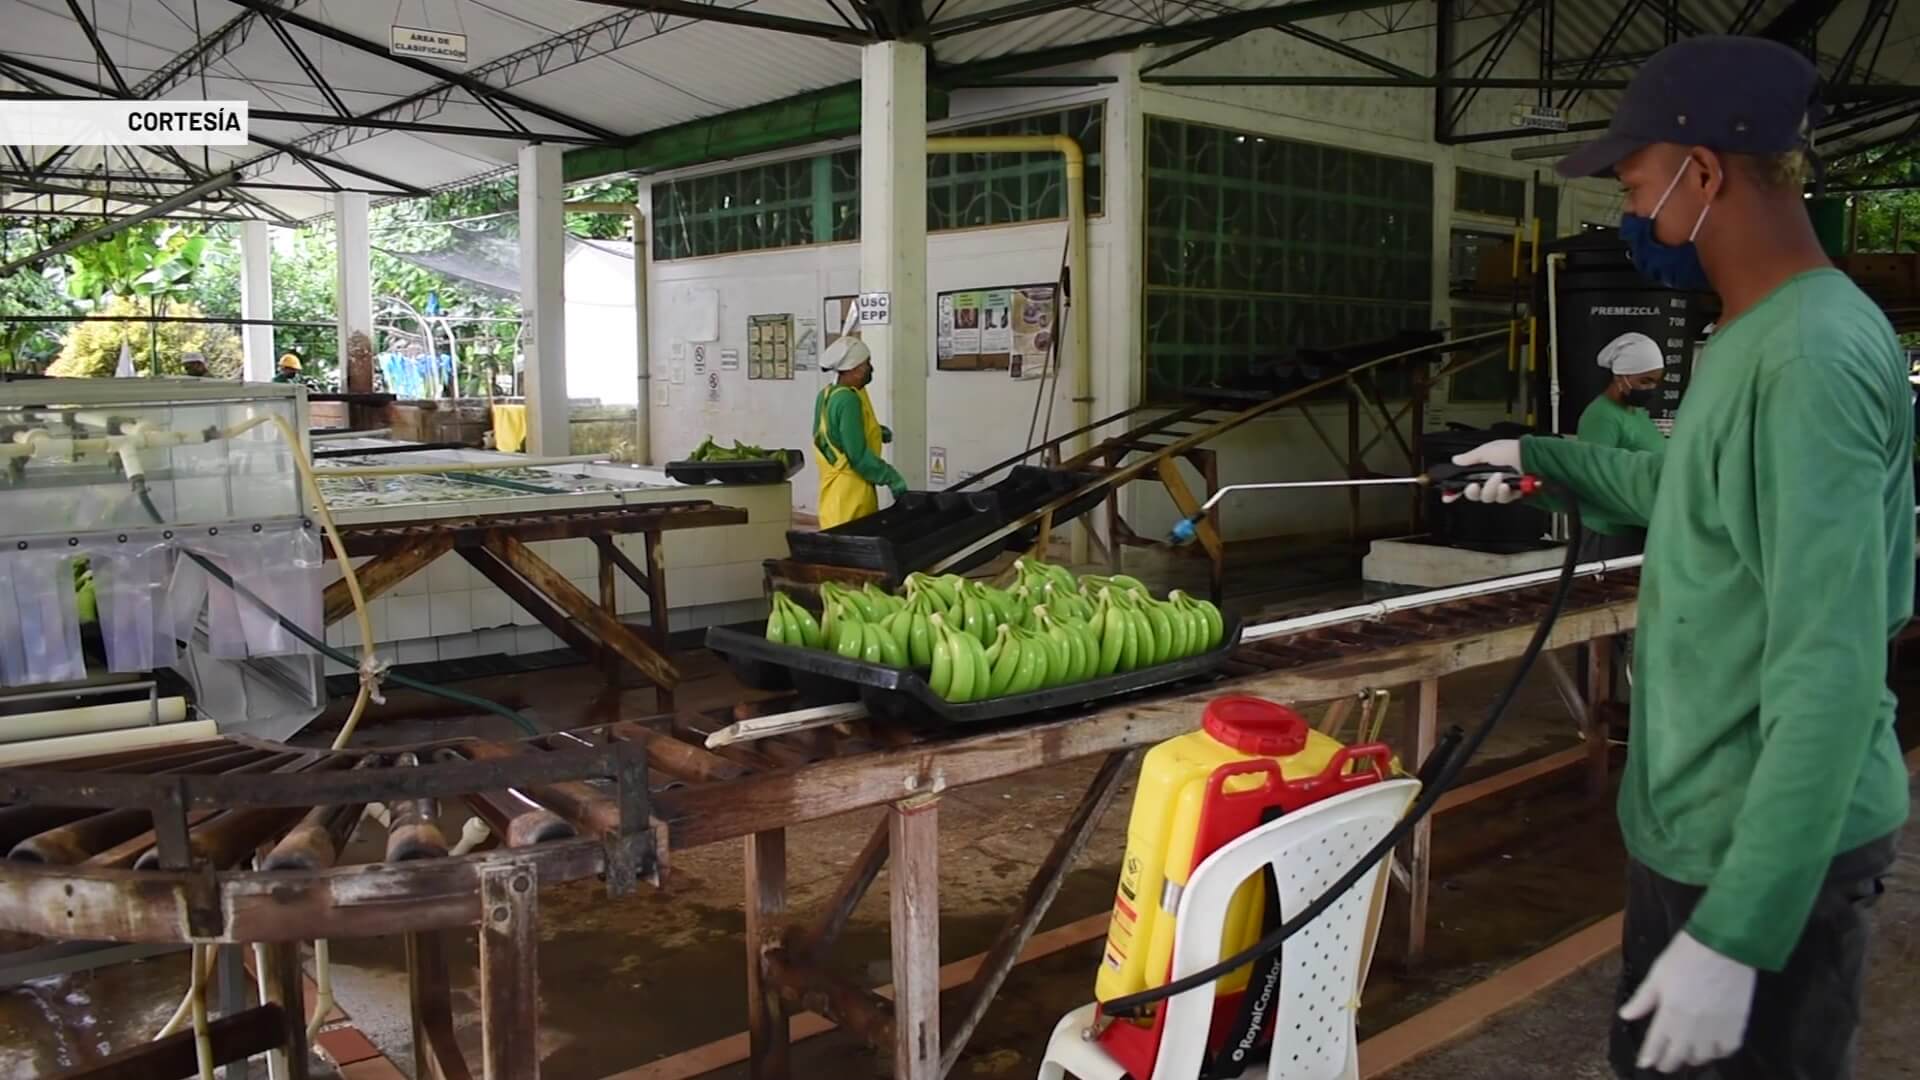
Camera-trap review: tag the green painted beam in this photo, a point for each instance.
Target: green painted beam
(833, 113)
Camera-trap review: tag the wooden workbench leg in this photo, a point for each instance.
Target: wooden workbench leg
(657, 608)
(609, 599)
(1599, 696)
(284, 988)
(1039, 896)
(234, 996)
(1420, 848)
(509, 974)
(766, 860)
(435, 1054)
(914, 888)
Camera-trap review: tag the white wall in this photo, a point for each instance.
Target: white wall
(979, 417)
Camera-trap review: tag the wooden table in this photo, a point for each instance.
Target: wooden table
(497, 546)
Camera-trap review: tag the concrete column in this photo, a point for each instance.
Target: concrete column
(893, 240)
(543, 298)
(353, 293)
(256, 301)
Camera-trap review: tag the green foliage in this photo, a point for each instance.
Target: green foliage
(92, 348)
(303, 291)
(154, 258)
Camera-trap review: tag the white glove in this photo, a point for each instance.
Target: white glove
(1501, 454)
(1699, 1001)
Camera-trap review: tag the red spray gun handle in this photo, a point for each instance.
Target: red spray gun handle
(1450, 479)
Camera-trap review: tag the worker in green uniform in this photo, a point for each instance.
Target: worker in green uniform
(1764, 788)
(847, 437)
(1617, 417)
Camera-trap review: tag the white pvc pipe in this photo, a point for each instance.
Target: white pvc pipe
(106, 742)
(1381, 609)
(84, 719)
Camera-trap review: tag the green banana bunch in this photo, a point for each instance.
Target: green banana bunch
(1073, 642)
(849, 630)
(960, 671)
(1211, 626)
(882, 602)
(791, 624)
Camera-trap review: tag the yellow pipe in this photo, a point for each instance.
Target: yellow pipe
(1536, 245)
(1078, 281)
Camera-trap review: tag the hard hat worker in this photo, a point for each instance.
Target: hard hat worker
(1618, 417)
(289, 369)
(847, 437)
(1764, 788)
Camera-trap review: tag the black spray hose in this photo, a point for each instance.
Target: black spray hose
(220, 575)
(1437, 774)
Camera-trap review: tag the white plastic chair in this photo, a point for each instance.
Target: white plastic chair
(1324, 965)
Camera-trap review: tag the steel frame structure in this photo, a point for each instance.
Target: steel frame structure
(1869, 111)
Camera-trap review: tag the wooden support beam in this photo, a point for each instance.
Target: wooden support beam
(509, 973)
(1039, 896)
(674, 757)
(658, 610)
(285, 988)
(436, 1053)
(1419, 848)
(599, 622)
(234, 1038)
(814, 989)
(913, 886)
(381, 573)
(529, 599)
(852, 889)
(610, 553)
(766, 865)
(1188, 506)
(609, 601)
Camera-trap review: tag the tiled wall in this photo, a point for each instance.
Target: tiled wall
(448, 611)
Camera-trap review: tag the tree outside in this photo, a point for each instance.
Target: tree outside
(92, 348)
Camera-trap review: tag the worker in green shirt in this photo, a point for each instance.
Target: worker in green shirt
(847, 437)
(1764, 788)
(1617, 417)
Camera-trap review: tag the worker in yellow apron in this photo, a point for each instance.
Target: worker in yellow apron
(847, 438)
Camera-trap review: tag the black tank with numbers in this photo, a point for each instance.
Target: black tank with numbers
(1601, 297)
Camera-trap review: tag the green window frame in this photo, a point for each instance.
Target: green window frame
(1259, 246)
(816, 199)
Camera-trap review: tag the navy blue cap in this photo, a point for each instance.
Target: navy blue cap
(1741, 95)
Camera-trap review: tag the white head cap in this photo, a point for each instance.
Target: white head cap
(1632, 354)
(845, 354)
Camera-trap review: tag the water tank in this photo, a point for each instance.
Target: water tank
(1601, 296)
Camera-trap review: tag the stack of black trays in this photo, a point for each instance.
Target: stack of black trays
(923, 527)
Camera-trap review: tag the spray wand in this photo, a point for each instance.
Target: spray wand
(1449, 479)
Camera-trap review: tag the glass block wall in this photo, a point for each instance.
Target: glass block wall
(1257, 246)
(816, 200)
(1486, 193)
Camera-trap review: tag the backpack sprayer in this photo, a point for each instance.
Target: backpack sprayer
(1437, 774)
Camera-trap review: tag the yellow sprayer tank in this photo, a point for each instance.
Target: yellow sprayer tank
(1164, 829)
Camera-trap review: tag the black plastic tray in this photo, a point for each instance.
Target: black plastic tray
(917, 531)
(771, 470)
(824, 677)
(1027, 488)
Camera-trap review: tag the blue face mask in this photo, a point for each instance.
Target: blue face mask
(1676, 266)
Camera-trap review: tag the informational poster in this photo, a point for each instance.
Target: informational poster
(679, 373)
(699, 359)
(701, 315)
(937, 465)
(1005, 329)
(713, 387)
(729, 359)
(833, 317)
(770, 347)
(806, 344)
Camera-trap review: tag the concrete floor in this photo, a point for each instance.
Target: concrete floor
(1572, 1018)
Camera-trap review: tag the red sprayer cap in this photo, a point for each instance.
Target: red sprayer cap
(1255, 725)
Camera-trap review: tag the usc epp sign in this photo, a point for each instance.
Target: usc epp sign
(98, 122)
